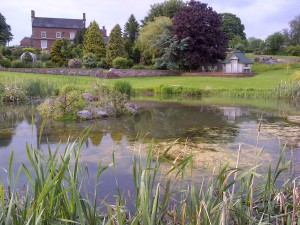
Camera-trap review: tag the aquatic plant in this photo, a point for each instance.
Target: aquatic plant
(58, 192)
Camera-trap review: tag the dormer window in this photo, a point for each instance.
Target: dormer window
(43, 34)
(58, 34)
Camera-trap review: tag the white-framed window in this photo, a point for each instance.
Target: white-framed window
(43, 34)
(72, 35)
(58, 34)
(43, 44)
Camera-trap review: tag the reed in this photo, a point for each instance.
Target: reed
(58, 192)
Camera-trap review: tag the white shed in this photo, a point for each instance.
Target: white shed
(237, 62)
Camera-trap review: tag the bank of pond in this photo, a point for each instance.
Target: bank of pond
(174, 161)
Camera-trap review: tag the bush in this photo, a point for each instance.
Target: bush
(130, 63)
(17, 64)
(120, 63)
(49, 64)
(293, 50)
(45, 57)
(142, 67)
(89, 61)
(75, 63)
(123, 87)
(38, 64)
(5, 62)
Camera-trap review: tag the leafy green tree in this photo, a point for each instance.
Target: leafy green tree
(61, 51)
(295, 30)
(131, 30)
(5, 31)
(167, 8)
(149, 35)
(274, 42)
(255, 44)
(93, 41)
(115, 46)
(207, 42)
(237, 41)
(232, 26)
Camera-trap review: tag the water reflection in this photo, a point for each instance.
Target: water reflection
(212, 131)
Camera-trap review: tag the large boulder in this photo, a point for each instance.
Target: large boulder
(85, 114)
(99, 113)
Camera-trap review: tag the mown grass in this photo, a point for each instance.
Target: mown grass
(58, 192)
(268, 77)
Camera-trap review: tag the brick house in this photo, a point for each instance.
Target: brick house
(46, 30)
(26, 42)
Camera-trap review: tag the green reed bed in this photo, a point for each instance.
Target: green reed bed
(58, 192)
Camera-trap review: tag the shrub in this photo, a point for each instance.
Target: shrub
(45, 57)
(38, 64)
(75, 63)
(89, 61)
(5, 62)
(123, 87)
(120, 63)
(142, 67)
(130, 63)
(293, 50)
(17, 64)
(49, 64)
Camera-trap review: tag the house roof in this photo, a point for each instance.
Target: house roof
(58, 23)
(242, 58)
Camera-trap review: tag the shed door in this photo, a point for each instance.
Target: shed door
(234, 65)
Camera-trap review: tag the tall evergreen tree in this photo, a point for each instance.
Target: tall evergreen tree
(93, 41)
(5, 31)
(115, 46)
(131, 30)
(232, 26)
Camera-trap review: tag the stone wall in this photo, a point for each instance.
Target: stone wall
(143, 73)
(59, 71)
(113, 73)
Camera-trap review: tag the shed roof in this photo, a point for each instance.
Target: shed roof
(58, 23)
(242, 58)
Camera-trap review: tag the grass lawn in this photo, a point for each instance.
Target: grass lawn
(252, 56)
(268, 76)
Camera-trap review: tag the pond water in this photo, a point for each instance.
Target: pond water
(211, 128)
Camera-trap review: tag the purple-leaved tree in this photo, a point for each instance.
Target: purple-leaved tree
(207, 42)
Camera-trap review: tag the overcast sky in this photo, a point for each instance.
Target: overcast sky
(260, 17)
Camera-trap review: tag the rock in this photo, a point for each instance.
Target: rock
(99, 113)
(130, 108)
(89, 97)
(85, 114)
(111, 111)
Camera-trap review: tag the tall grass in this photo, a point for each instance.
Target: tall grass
(57, 192)
(288, 90)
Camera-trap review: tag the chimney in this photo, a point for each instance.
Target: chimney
(32, 15)
(84, 19)
(104, 31)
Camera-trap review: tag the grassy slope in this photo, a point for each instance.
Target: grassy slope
(268, 76)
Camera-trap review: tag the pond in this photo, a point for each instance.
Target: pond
(210, 128)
